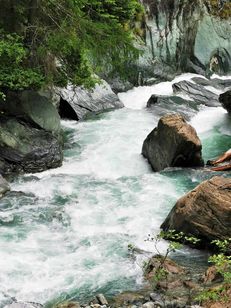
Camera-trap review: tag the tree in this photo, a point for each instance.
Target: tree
(65, 40)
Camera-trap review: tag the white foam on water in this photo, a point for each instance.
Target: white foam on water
(208, 118)
(220, 77)
(214, 90)
(72, 236)
(138, 97)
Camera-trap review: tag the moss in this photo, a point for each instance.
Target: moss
(217, 9)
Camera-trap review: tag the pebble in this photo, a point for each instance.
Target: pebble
(148, 305)
(102, 299)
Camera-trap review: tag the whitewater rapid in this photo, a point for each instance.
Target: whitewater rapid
(67, 234)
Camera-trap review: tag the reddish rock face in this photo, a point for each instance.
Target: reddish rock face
(174, 143)
(204, 212)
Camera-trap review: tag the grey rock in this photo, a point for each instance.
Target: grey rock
(173, 143)
(222, 83)
(225, 99)
(34, 108)
(155, 297)
(102, 300)
(24, 148)
(197, 92)
(85, 102)
(174, 104)
(148, 305)
(215, 82)
(177, 35)
(24, 305)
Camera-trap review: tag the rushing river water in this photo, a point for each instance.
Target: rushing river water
(66, 235)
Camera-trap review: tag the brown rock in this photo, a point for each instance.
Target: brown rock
(212, 275)
(174, 143)
(68, 305)
(157, 262)
(204, 212)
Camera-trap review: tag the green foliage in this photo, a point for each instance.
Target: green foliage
(175, 236)
(222, 262)
(14, 74)
(209, 295)
(61, 41)
(220, 9)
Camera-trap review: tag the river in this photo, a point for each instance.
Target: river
(65, 233)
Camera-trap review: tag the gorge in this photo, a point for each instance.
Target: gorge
(80, 192)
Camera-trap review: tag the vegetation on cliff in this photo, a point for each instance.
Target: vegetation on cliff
(220, 8)
(53, 41)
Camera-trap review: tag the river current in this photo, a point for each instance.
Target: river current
(65, 233)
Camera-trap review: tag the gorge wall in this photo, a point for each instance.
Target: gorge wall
(186, 36)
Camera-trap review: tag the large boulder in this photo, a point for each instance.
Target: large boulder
(204, 212)
(78, 102)
(173, 143)
(34, 108)
(197, 92)
(225, 99)
(24, 148)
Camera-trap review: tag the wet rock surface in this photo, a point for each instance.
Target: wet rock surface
(225, 99)
(215, 82)
(24, 148)
(85, 102)
(4, 186)
(204, 212)
(174, 104)
(24, 305)
(33, 108)
(197, 92)
(173, 143)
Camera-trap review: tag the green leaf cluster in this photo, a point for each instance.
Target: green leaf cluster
(61, 41)
(14, 73)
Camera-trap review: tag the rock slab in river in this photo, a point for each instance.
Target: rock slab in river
(197, 93)
(225, 99)
(85, 102)
(204, 212)
(174, 104)
(173, 143)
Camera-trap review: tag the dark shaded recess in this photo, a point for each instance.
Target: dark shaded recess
(66, 111)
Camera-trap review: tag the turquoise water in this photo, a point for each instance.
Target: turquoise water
(65, 232)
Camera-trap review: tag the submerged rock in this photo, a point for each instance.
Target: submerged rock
(174, 104)
(173, 143)
(204, 212)
(24, 148)
(225, 99)
(24, 305)
(197, 93)
(84, 102)
(68, 305)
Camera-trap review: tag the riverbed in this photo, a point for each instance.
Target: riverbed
(65, 234)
